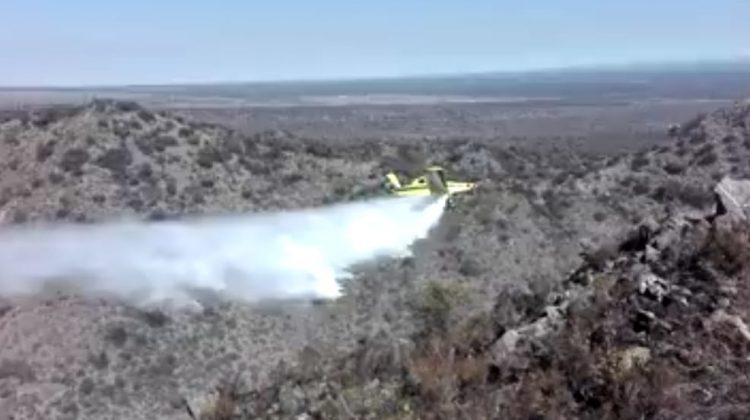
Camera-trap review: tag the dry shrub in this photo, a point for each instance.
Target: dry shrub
(442, 371)
(450, 365)
(692, 123)
(116, 160)
(319, 149)
(728, 247)
(707, 159)
(224, 405)
(410, 159)
(45, 150)
(436, 303)
(638, 162)
(451, 378)
(74, 159)
(207, 156)
(161, 143)
(222, 408)
(641, 187)
(42, 118)
(691, 194)
(704, 150)
(556, 204)
(674, 168)
(146, 116)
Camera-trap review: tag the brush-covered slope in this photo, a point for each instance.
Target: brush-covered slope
(516, 236)
(651, 325)
(658, 329)
(111, 158)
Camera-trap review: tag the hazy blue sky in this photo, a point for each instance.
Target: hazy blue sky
(55, 42)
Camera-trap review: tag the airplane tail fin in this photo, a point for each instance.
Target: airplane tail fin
(392, 180)
(436, 184)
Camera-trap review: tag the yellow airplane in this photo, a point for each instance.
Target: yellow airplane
(433, 182)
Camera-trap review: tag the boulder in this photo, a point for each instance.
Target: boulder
(733, 198)
(652, 285)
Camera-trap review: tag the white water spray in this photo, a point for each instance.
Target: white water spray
(295, 254)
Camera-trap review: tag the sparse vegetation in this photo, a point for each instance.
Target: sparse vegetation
(692, 124)
(641, 187)
(208, 156)
(707, 159)
(126, 106)
(674, 168)
(638, 162)
(115, 160)
(695, 196)
(185, 132)
(144, 145)
(146, 116)
(55, 178)
(135, 125)
(222, 406)
(624, 352)
(555, 204)
(436, 304)
(481, 323)
(73, 160)
(704, 150)
(45, 150)
(161, 143)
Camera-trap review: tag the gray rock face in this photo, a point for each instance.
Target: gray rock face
(653, 285)
(734, 196)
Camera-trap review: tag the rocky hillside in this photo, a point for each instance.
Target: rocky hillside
(113, 159)
(658, 329)
(507, 246)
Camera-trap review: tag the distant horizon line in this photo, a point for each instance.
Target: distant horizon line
(671, 65)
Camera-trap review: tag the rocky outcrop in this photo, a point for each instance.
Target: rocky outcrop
(733, 198)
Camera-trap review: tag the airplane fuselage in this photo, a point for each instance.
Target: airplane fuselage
(432, 183)
(421, 189)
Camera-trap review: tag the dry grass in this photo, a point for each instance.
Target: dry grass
(729, 248)
(442, 370)
(223, 405)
